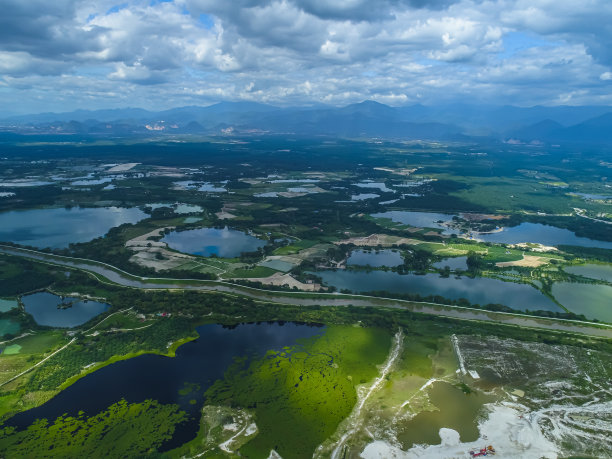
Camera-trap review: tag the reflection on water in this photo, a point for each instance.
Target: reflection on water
(44, 308)
(479, 290)
(224, 242)
(57, 228)
(375, 259)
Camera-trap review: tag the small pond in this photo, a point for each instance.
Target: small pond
(87, 182)
(225, 243)
(200, 186)
(268, 194)
(598, 272)
(44, 308)
(295, 181)
(362, 197)
(592, 300)
(588, 196)
(149, 376)
(8, 326)
(7, 305)
(418, 219)
(177, 207)
(480, 290)
(453, 263)
(375, 258)
(376, 185)
(456, 410)
(58, 227)
(278, 265)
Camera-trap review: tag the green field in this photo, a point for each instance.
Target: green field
(301, 394)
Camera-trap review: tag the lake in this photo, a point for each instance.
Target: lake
(375, 259)
(43, 307)
(199, 362)
(542, 234)
(480, 290)
(225, 243)
(58, 227)
(593, 271)
(525, 232)
(592, 300)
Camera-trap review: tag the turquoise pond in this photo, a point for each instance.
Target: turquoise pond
(453, 263)
(7, 305)
(8, 326)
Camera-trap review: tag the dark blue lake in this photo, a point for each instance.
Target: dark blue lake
(156, 377)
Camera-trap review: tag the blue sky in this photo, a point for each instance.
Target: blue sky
(156, 54)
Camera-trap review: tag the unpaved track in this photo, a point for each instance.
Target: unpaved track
(106, 272)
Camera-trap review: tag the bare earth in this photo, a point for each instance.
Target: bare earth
(279, 279)
(374, 240)
(528, 261)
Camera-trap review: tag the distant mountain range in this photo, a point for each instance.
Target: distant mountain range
(564, 124)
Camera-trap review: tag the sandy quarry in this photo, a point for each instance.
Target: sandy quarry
(146, 252)
(374, 240)
(280, 279)
(528, 261)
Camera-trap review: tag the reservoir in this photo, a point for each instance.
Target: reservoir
(225, 242)
(197, 363)
(479, 290)
(57, 228)
(43, 307)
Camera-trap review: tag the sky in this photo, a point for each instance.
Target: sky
(63, 55)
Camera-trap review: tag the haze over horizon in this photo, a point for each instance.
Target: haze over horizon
(76, 54)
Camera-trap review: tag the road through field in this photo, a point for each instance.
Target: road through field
(106, 272)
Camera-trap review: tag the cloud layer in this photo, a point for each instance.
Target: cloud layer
(155, 54)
